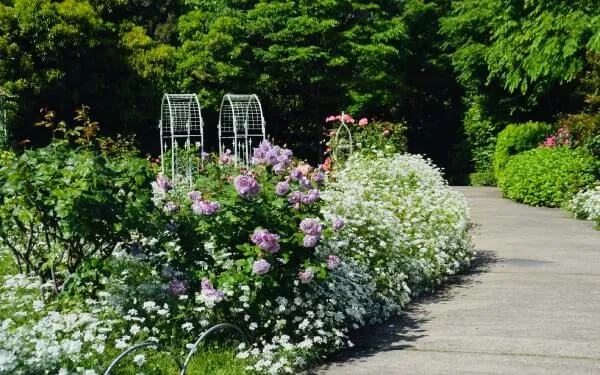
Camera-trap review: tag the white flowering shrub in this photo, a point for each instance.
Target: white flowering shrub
(403, 223)
(586, 204)
(35, 339)
(316, 321)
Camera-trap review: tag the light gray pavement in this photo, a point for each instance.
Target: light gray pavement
(531, 306)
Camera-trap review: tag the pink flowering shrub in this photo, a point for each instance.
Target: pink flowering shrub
(562, 137)
(368, 137)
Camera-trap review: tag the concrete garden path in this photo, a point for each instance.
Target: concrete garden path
(531, 306)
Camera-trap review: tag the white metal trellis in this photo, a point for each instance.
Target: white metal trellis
(181, 132)
(343, 142)
(241, 125)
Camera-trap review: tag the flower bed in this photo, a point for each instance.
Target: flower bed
(297, 261)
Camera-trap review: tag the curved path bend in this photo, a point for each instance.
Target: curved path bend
(531, 306)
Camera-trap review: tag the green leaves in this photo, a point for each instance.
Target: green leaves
(521, 45)
(60, 206)
(547, 176)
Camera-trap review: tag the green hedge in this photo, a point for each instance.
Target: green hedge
(547, 176)
(516, 138)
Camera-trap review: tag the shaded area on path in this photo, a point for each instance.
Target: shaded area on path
(529, 306)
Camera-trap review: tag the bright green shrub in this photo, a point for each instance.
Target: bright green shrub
(592, 145)
(547, 176)
(483, 178)
(5, 157)
(516, 138)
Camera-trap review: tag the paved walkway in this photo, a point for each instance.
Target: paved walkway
(532, 305)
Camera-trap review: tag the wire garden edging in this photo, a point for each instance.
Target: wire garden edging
(181, 366)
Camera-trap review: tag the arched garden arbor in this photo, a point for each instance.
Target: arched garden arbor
(241, 125)
(181, 136)
(343, 144)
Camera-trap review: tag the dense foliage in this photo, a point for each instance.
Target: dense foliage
(60, 207)
(516, 138)
(547, 176)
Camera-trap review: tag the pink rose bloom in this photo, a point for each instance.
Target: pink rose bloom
(550, 141)
(333, 262)
(348, 118)
(307, 276)
(260, 267)
(330, 119)
(363, 122)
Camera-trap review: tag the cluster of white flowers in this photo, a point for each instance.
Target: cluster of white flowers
(316, 321)
(586, 204)
(403, 223)
(37, 340)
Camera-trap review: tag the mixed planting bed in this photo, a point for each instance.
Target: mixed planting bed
(98, 255)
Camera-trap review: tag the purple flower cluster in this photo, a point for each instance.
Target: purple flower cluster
(160, 187)
(205, 208)
(163, 183)
(312, 230)
(305, 183)
(296, 174)
(333, 262)
(178, 287)
(246, 186)
(209, 294)
(172, 226)
(319, 178)
(306, 276)
(274, 156)
(195, 196)
(261, 266)
(200, 206)
(171, 206)
(338, 224)
(226, 158)
(298, 197)
(267, 241)
(282, 188)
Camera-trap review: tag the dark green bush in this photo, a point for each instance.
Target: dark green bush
(592, 145)
(516, 138)
(60, 206)
(547, 176)
(480, 138)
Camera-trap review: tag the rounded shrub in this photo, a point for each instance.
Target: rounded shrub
(547, 176)
(403, 223)
(516, 138)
